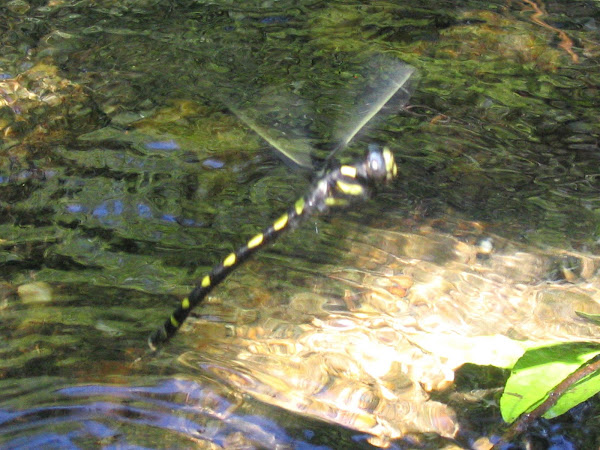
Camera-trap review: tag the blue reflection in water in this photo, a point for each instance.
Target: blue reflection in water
(162, 145)
(144, 211)
(118, 207)
(24, 175)
(213, 163)
(50, 417)
(49, 440)
(109, 211)
(202, 414)
(100, 211)
(76, 208)
(272, 20)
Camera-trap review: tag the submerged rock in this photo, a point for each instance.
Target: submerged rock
(36, 292)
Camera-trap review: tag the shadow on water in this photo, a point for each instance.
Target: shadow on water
(123, 177)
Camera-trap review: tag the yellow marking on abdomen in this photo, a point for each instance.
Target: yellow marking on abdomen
(299, 205)
(332, 201)
(185, 303)
(206, 281)
(281, 222)
(174, 321)
(229, 261)
(255, 241)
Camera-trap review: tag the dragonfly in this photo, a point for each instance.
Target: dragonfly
(337, 185)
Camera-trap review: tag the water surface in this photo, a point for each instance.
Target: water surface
(124, 177)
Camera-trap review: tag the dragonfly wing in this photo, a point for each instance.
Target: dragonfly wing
(294, 150)
(295, 117)
(389, 79)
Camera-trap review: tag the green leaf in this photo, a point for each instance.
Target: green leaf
(539, 370)
(579, 392)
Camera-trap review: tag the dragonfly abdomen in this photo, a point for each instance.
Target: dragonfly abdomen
(338, 187)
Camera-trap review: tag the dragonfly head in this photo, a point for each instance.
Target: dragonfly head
(381, 165)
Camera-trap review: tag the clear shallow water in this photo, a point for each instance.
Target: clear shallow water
(123, 177)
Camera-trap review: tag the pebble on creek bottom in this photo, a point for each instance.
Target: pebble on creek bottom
(36, 292)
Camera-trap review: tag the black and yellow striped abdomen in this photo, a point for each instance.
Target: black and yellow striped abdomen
(338, 187)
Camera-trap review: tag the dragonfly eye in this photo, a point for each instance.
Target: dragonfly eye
(380, 163)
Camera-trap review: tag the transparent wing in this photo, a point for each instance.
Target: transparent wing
(388, 79)
(281, 120)
(306, 114)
